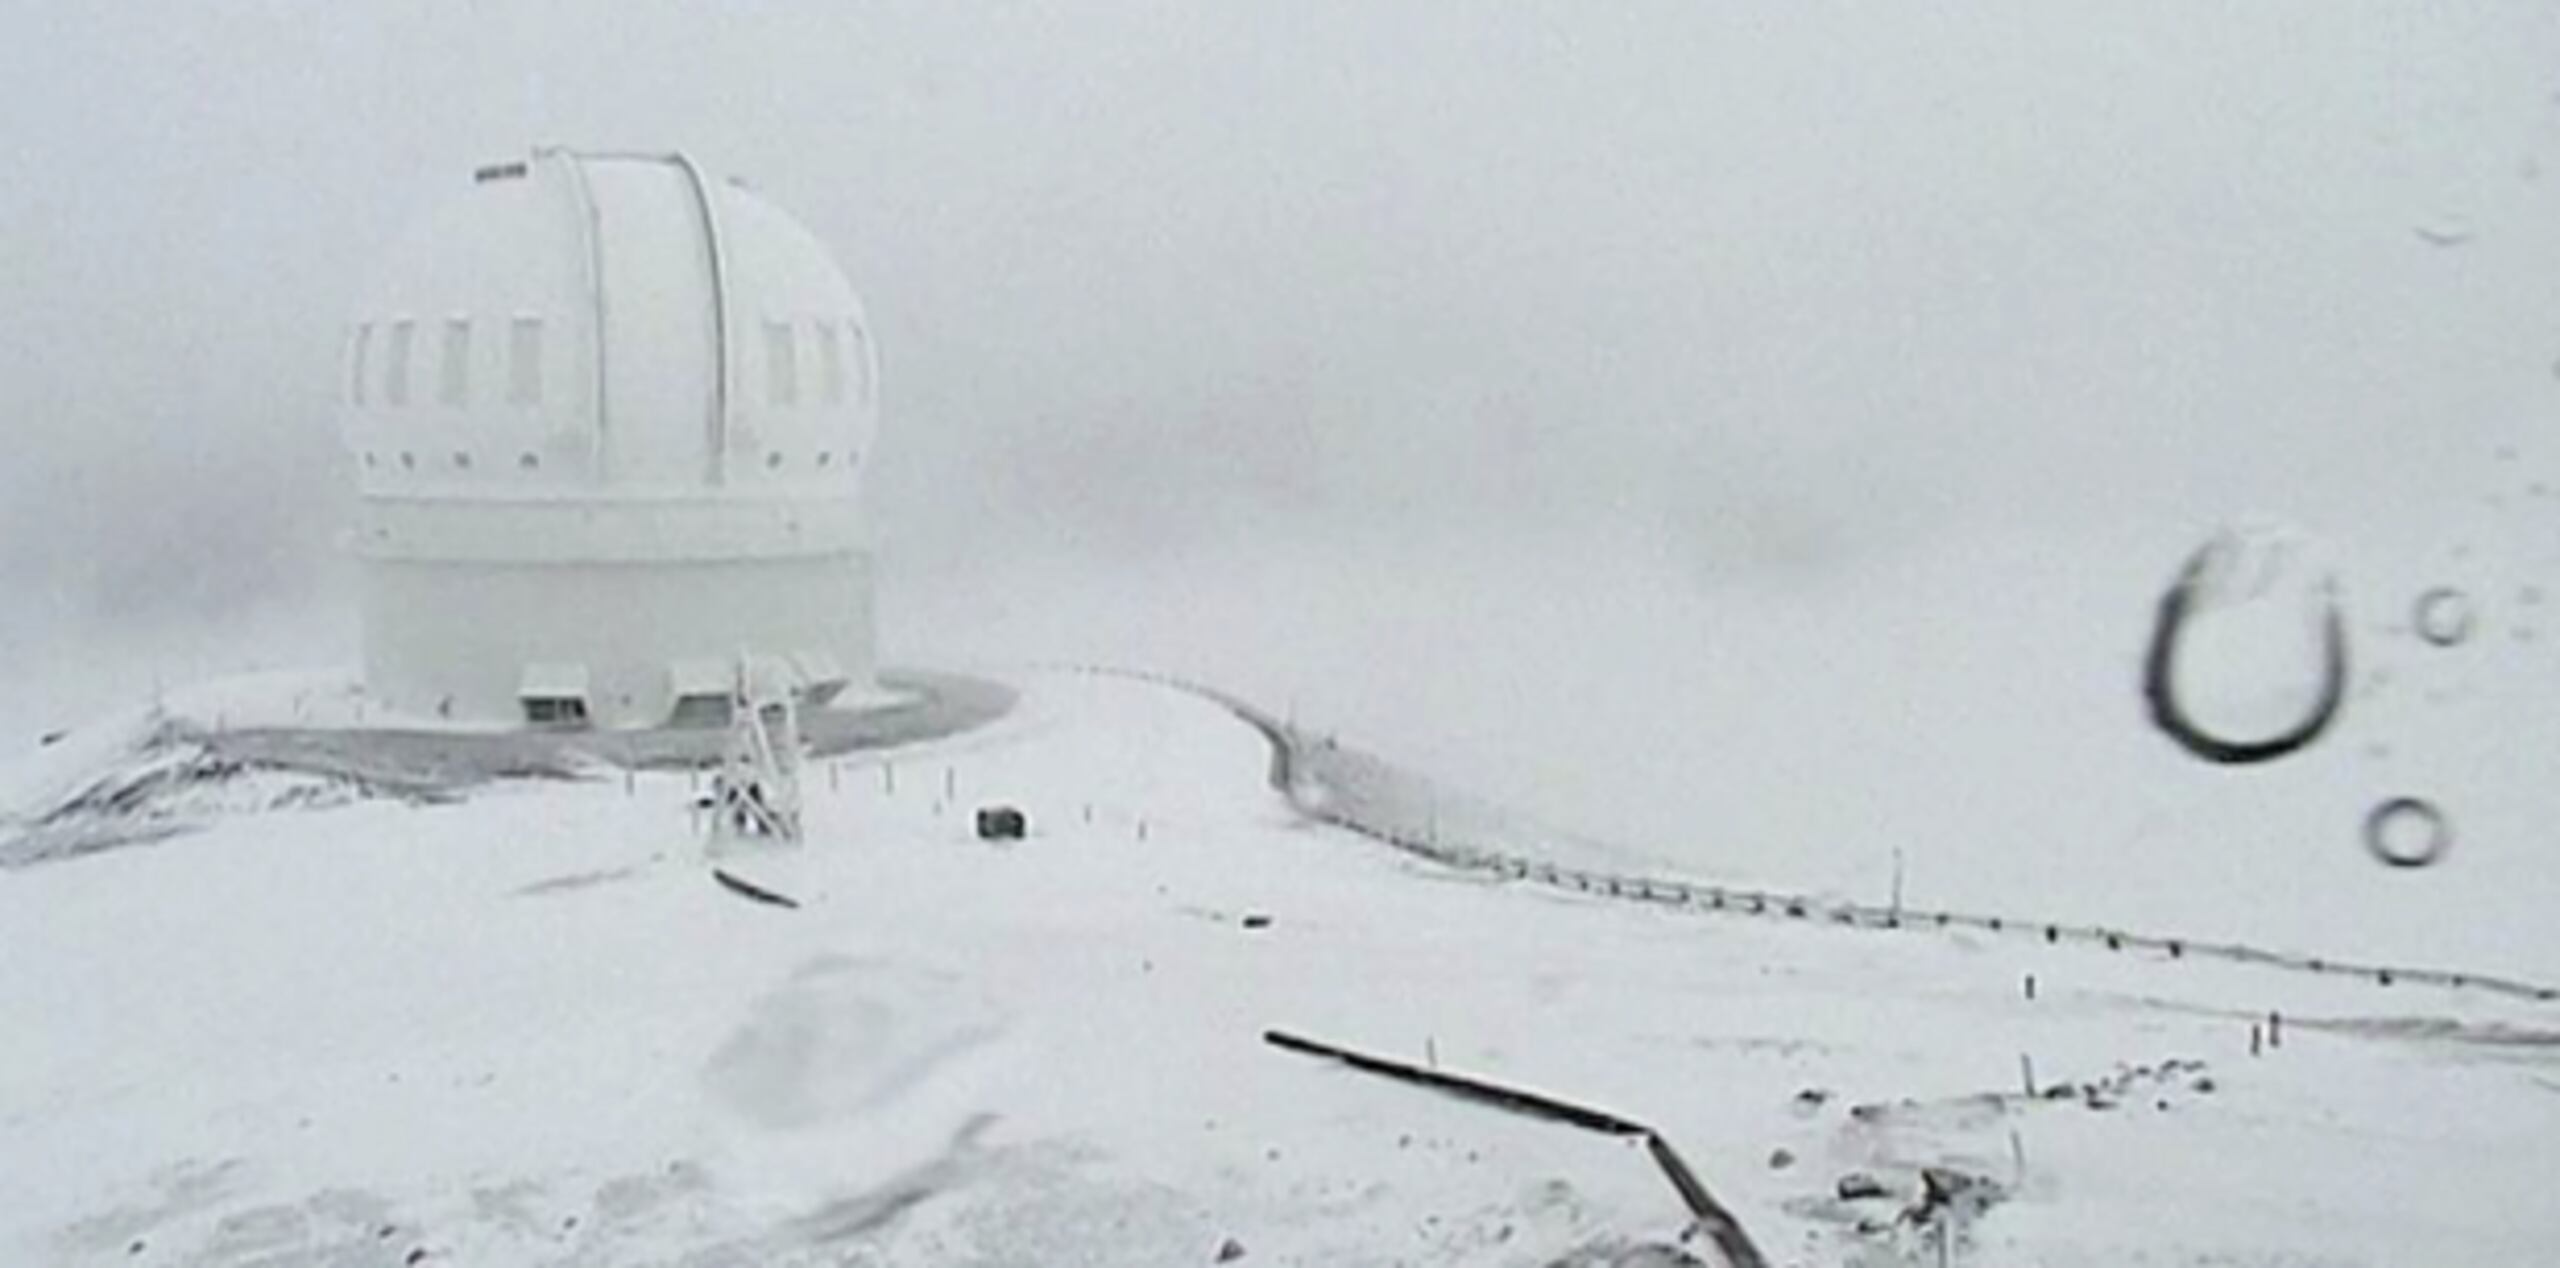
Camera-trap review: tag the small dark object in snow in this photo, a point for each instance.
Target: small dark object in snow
(48, 740)
(1230, 1251)
(1858, 1185)
(1812, 1097)
(1256, 920)
(1001, 823)
(1939, 1186)
(136, 1247)
(1781, 1159)
(1613, 1253)
(2205, 1086)
(2060, 1092)
(753, 892)
(1950, 1197)
(384, 1233)
(416, 1256)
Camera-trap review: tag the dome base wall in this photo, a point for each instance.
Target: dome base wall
(460, 641)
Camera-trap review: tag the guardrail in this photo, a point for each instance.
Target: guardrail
(1357, 791)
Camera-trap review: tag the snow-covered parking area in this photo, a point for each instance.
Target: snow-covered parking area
(527, 1028)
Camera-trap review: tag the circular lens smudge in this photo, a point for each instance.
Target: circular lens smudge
(2443, 616)
(2407, 832)
(2261, 621)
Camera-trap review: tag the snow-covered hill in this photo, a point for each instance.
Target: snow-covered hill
(527, 1027)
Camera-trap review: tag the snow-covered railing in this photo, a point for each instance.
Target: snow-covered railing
(1363, 793)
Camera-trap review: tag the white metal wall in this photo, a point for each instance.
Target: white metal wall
(453, 639)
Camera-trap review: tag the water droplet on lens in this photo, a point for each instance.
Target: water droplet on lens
(2407, 832)
(2443, 616)
(2248, 643)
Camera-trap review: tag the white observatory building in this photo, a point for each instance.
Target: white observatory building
(610, 419)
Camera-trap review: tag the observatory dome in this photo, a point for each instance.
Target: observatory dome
(610, 420)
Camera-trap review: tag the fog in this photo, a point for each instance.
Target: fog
(1770, 417)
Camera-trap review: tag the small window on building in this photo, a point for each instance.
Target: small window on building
(702, 690)
(559, 711)
(524, 361)
(395, 375)
(782, 364)
(359, 345)
(830, 365)
(858, 354)
(554, 695)
(453, 382)
(820, 679)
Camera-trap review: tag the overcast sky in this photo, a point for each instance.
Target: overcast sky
(1456, 319)
(1795, 278)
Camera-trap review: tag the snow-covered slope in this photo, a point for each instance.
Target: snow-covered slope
(527, 1027)
(1969, 707)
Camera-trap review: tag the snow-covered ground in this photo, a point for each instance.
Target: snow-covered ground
(1971, 706)
(527, 1027)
